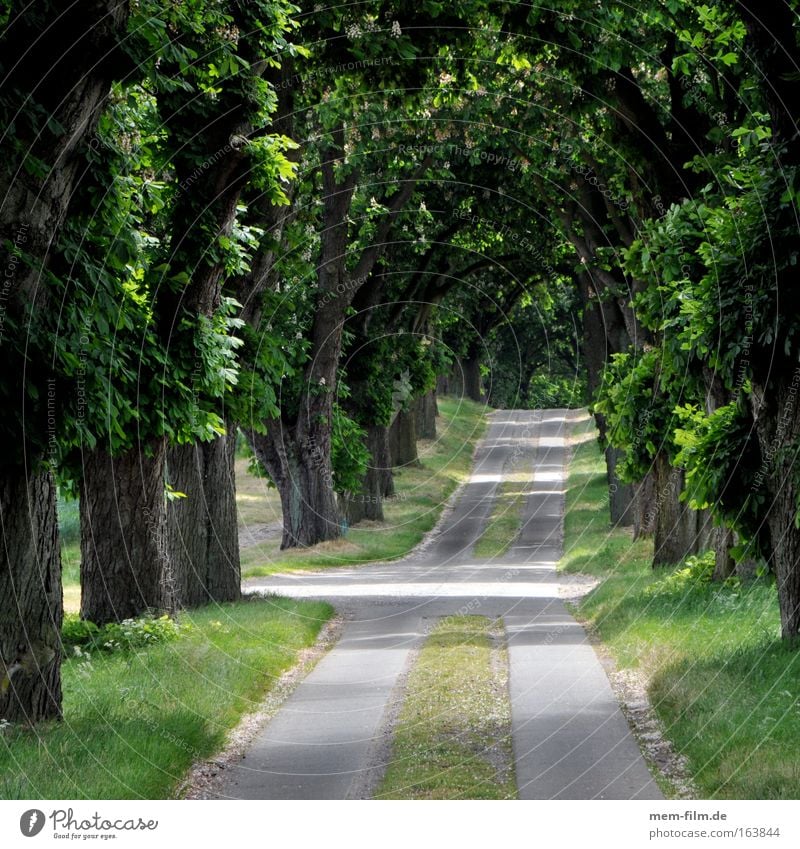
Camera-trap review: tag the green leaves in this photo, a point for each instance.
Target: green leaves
(349, 454)
(638, 411)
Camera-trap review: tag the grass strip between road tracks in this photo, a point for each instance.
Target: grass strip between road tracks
(505, 523)
(453, 735)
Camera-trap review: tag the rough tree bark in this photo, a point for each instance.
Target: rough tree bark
(202, 527)
(678, 530)
(620, 495)
(378, 482)
(125, 564)
(378, 441)
(30, 599)
(776, 411)
(644, 517)
(455, 381)
(724, 564)
(471, 370)
(304, 480)
(81, 56)
(426, 412)
(403, 439)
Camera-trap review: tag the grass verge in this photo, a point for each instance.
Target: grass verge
(725, 687)
(135, 721)
(421, 495)
(453, 736)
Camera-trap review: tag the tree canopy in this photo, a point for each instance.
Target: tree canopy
(295, 221)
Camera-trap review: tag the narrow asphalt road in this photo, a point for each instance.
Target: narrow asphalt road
(570, 739)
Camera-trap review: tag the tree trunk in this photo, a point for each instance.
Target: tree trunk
(403, 439)
(31, 607)
(320, 519)
(455, 381)
(706, 532)
(378, 481)
(670, 543)
(604, 332)
(786, 554)
(352, 506)
(777, 418)
(426, 411)
(125, 564)
(679, 530)
(471, 369)
(378, 441)
(304, 480)
(224, 572)
(70, 88)
(620, 495)
(203, 531)
(297, 455)
(644, 509)
(442, 385)
(724, 564)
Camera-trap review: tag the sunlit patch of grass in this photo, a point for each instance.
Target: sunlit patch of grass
(257, 501)
(135, 721)
(453, 736)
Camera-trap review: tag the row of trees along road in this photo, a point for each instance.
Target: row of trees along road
(292, 221)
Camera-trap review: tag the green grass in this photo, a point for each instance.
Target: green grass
(504, 524)
(69, 529)
(135, 721)
(453, 736)
(724, 685)
(421, 494)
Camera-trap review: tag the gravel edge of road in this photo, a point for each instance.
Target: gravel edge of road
(669, 768)
(206, 778)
